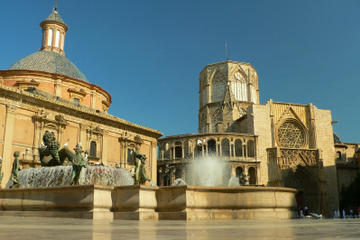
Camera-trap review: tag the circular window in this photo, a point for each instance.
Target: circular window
(291, 135)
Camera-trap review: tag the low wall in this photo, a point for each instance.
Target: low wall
(150, 203)
(207, 203)
(87, 201)
(136, 202)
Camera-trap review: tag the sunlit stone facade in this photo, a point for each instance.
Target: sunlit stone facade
(273, 144)
(46, 91)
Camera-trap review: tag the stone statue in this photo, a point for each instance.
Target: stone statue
(50, 151)
(50, 155)
(79, 161)
(140, 175)
(14, 181)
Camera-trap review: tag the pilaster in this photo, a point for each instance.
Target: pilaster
(8, 139)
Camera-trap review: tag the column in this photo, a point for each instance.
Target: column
(36, 139)
(220, 147)
(182, 150)
(173, 152)
(8, 139)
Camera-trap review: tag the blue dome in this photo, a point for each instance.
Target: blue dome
(48, 61)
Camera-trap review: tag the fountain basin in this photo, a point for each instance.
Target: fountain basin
(137, 202)
(87, 201)
(150, 203)
(213, 203)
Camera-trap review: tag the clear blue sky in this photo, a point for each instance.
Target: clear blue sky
(148, 54)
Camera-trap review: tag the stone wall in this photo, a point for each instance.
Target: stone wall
(24, 117)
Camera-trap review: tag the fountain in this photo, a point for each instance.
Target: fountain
(212, 194)
(208, 171)
(102, 192)
(62, 175)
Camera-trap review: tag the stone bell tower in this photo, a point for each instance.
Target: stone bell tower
(227, 89)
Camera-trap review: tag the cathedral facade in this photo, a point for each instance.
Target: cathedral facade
(46, 91)
(272, 144)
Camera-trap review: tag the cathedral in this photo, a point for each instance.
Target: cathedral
(272, 144)
(45, 91)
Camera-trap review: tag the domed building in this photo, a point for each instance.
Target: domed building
(46, 91)
(272, 144)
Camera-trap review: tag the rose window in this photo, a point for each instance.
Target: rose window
(291, 135)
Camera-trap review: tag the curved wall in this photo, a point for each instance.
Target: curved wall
(70, 89)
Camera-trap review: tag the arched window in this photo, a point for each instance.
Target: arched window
(178, 173)
(238, 148)
(225, 147)
(178, 150)
(57, 38)
(252, 175)
(239, 171)
(338, 155)
(166, 180)
(93, 149)
(198, 151)
(50, 37)
(291, 134)
(130, 156)
(250, 148)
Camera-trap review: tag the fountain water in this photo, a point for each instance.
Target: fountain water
(208, 171)
(61, 176)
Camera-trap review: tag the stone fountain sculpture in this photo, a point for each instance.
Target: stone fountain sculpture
(140, 175)
(63, 167)
(14, 180)
(50, 155)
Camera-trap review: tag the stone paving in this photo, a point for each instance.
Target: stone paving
(57, 228)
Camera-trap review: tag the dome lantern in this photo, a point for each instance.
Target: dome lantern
(54, 29)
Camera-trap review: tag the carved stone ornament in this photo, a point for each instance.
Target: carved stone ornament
(291, 135)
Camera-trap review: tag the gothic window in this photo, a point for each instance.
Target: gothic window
(239, 87)
(178, 150)
(225, 147)
(250, 148)
(238, 148)
(92, 149)
(291, 135)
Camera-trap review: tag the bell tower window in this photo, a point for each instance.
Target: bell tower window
(57, 38)
(50, 37)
